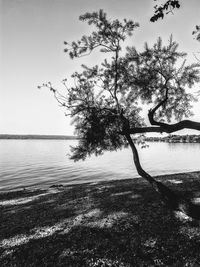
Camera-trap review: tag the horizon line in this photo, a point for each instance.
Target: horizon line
(37, 136)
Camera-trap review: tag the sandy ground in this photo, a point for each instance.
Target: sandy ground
(115, 223)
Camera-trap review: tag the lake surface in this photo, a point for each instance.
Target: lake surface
(43, 163)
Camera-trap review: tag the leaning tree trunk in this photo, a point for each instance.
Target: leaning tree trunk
(173, 200)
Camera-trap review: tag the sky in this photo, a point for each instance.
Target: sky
(31, 53)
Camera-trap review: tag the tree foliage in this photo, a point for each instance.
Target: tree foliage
(168, 7)
(196, 32)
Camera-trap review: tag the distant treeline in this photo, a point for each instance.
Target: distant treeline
(175, 139)
(32, 136)
(169, 138)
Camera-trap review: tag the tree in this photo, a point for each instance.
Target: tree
(105, 101)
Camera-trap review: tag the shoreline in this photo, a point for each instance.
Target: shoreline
(161, 177)
(119, 223)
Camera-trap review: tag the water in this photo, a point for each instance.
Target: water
(42, 163)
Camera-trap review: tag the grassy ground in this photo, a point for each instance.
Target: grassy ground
(115, 223)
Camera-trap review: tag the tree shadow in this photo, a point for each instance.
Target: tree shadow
(116, 223)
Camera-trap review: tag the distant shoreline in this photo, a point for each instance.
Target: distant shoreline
(167, 139)
(38, 137)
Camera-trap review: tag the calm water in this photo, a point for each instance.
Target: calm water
(45, 162)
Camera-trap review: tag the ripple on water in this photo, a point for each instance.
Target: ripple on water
(36, 162)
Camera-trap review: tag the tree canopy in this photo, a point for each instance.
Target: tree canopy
(106, 100)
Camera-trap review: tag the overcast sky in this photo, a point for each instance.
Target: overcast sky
(32, 35)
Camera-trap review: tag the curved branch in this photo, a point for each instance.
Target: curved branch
(166, 128)
(152, 111)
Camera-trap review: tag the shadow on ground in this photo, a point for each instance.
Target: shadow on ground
(116, 223)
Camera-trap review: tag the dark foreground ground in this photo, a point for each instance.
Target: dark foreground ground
(115, 223)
